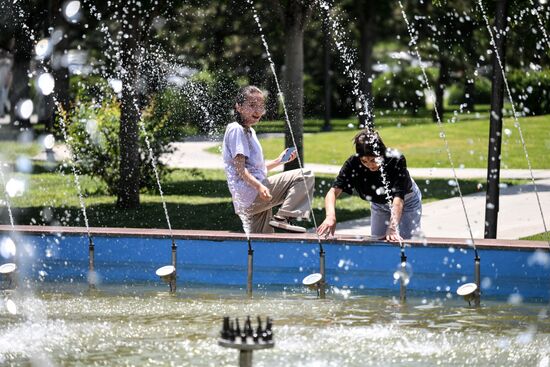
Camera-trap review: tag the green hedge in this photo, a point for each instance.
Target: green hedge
(403, 89)
(531, 91)
(482, 94)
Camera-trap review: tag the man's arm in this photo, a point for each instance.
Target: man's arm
(329, 224)
(392, 234)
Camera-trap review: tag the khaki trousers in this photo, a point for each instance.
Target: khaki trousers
(287, 190)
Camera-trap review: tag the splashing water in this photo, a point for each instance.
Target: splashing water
(287, 119)
(535, 11)
(6, 195)
(348, 58)
(414, 45)
(362, 108)
(516, 121)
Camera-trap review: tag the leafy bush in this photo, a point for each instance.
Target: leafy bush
(93, 129)
(402, 89)
(531, 91)
(482, 92)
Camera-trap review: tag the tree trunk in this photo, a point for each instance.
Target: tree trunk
(495, 118)
(367, 28)
(61, 87)
(294, 77)
(59, 71)
(272, 103)
(129, 182)
(20, 89)
(326, 76)
(440, 88)
(469, 67)
(469, 91)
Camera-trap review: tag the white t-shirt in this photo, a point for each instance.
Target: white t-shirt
(238, 141)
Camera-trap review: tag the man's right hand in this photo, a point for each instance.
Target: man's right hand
(328, 227)
(264, 193)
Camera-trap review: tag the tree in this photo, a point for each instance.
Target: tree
(366, 10)
(294, 15)
(128, 187)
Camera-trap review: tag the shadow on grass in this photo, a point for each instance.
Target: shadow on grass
(219, 216)
(212, 211)
(204, 188)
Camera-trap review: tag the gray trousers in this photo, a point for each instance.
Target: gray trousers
(410, 219)
(289, 190)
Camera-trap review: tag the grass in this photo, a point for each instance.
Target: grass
(11, 150)
(544, 236)
(383, 118)
(196, 199)
(420, 142)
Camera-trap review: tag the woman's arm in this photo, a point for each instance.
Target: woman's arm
(249, 179)
(392, 234)
(329, 224)
(277, 161)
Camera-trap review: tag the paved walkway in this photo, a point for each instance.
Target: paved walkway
(193, 154)
(519, 213)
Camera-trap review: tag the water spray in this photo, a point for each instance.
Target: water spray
(364, 110)
(8, 270)
(72, 161)
(280, 94)
(515, 115)
(447, 148)
(62, 118)
(166, 273)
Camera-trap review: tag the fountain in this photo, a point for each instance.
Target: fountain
(322, 290)
(130, 322)
(443, 136)
(363, 109)
(246, 340)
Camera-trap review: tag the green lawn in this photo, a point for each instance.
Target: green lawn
(544, 236)
(11, 150)
(383, 118)
(419, 139)
(196, 199)
(423, 147)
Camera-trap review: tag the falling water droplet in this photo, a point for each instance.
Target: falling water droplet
(15, 187)
(515, 299)
(7, 248)
(23, 164)
(49, 141)
(43, 49)
(116, 84)
(71, 11)
(46, 83)
(24, 109)
(11, 307)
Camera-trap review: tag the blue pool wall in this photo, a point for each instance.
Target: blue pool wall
(360, 267)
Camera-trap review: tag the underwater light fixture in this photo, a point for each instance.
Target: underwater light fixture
(468, 291)
(8, 271)
(312, 280)
(168, 275)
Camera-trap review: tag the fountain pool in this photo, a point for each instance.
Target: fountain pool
(131, 319)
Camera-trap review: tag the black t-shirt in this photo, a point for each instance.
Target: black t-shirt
(369, 185)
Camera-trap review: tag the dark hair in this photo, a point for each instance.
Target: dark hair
(241, 97)
(368, 143)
